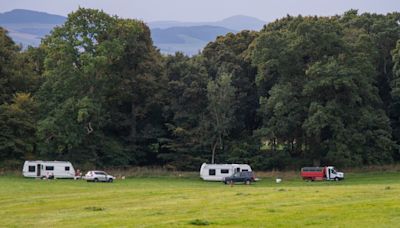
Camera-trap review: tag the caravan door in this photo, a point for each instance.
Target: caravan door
(38, 173)
(236, 169)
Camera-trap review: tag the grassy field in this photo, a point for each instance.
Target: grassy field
(362, 200)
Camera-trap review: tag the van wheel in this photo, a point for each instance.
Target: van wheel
(248, 182)
(96, 180)
(110, 180)
(336, 179)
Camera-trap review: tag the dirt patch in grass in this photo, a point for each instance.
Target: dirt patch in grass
(94, 208)
(199, 222)
(242, 194)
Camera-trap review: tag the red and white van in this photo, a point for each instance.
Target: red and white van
(321, 173)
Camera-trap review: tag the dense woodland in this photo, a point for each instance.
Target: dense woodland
(302, 91)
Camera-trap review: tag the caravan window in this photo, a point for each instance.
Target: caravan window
(245, 170)
(224, 170)
(31, 168)
(211, 172)
(50, 168)
(66, 168)
(237, 169)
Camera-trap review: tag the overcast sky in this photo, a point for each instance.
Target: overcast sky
(205, 10)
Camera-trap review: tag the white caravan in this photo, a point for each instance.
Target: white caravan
(217, 172)
(57, 169)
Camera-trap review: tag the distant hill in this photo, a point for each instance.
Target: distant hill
(28, 27)
(238, 23)
(21, 16)
(189, 40)
(203, 33)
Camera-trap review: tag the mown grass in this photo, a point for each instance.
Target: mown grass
(369, 200)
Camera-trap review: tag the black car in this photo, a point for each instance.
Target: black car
(244, 176)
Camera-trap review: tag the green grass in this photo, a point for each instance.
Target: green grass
(362, 200)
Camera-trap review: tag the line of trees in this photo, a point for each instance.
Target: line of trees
(302, 91)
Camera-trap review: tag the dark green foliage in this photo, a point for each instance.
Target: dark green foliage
(100, 91)
(323, 103)
(184, 111)
(19, 77)
(18, 125)
(220, 112)
(395, 92)
(229, 54)
(8, 67)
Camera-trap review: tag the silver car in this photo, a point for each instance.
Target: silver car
(97, 176)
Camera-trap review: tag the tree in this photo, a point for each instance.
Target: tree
(18, 109)
(221, 98)
(322, 92)
(383, 31)
(18, 124)
(229, 54)
(8, 67)
(101, 82)
(185, 106)
(395, 92)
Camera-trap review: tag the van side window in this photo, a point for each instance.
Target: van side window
(224, 170)
(50, 168)
(31, 168)
(211, 172)
(66, 168)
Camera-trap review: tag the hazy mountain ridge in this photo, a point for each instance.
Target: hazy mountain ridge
(29, 16)
(204, 33)
(28, 27)
(189, 40)
(238, 22)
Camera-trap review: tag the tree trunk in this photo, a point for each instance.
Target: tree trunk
(384, 66)
(133, 122)
(315, 147)
(213, 151)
